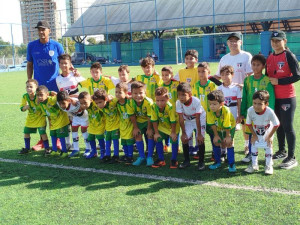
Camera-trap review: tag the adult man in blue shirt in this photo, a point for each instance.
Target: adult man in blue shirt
(42, 57)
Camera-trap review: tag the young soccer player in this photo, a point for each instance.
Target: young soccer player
(262, 123)
(126, 126)
(35, 119)
(112, 124)
(79, 119)
(96, 128)
(141, 106)
(192, 117)
(257, 81)
(222, 122)
(171, 85)
(164, 123)
(283, 71)
(58, 120)
(97, 81)
(124, 76)
(150, 78)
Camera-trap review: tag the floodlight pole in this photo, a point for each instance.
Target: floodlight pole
(131, 44)
(12, 46)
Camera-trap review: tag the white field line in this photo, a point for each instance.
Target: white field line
(9, 103)
(154, 177)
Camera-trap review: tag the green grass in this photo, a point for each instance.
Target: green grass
(36, 195)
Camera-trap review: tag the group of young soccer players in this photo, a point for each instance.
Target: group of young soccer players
(150, 111)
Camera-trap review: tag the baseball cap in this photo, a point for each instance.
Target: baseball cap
(43, 24)
(237, 35)
(278, 35)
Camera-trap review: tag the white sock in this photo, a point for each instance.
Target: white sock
(223, 150)
(246, 143)
(85, 137)
(75, 141)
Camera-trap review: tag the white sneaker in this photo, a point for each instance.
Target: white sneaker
(238, 127)
(251, 169)
(247, 159)
(269, 170)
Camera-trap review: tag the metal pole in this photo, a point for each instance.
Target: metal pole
(130, 33)
(83, 35)
(278, 14)
(244, 23)
(12, 46)
(214, 17)
(61, 30)
(106, 30)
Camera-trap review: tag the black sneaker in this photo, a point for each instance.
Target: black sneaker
(223, 157)
(201, 166)
(279, 155)
(106, 159)
(184, 165)
(129, 161)
(114, 159)
(24, 151)
(288, 163)
(48, 151)
(123, 158)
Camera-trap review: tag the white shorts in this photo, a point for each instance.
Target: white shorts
(82, 121)
(190, 126)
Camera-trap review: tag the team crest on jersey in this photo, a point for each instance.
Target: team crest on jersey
(285, 107)
(125, 115)
(239, 65)
(174, 86)
(261, 129)
(170, 95)
(162, 119)
(228, 100)
(280, 65)
(189, 80)
(152, 80)
(51, 53)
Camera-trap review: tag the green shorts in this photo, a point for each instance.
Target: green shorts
(31, 130)
(127, 141)
(143, 127)
(93, 137)
(222, 134)
(165, 136)
(61, 132)
(112, 135)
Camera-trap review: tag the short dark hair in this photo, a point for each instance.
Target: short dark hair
(167, 69)
(137, 84)
(124, 67)
(191, 52)
(64, 56)
(262, 95)
(227, 69)
(147, 61)
(62, 96)
(123, 86)
(204, 65)
(42, 88)
(259, 58)
(161, 91)
(216, 95)
(33, 81)
(184, 87)
(96, 65)
(100, 95)
(83, 95)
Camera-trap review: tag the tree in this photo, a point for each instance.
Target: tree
(5, 48)
(92, 41)
(21, 50)
(68, 44)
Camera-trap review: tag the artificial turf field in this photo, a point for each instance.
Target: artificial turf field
(110, 194)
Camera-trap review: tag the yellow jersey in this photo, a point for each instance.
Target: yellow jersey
(126, 126)
(96, 120)
(188, 75)
(224, 121)
(142, 112)
(152, 82)
(57, 117)
(172, 89)
(103, 83)
(35, 117)
(112, 117)
(201, 92)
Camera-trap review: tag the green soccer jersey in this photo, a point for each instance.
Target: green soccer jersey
(126, 126)
(251, 85)
(201, 92)
(172, 89)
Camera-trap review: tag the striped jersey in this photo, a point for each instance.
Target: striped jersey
(152, 82)
(143, 111)
(201, 92)
(112, 118)
(126, 126)
(224, 121)
(103, 83)
(96, 120)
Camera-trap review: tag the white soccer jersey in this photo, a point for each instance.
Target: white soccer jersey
(117, 80)
(68, 83)
(231, 93)
(262, 123)
(241, 64)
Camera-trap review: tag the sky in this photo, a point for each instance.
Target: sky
(10, 13)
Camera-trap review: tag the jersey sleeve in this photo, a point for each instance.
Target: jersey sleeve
(294, 67)
(52, 100)
(210, 118)
(109, 84)
(85, 83)
(219, 68)
(149, 106)
(239, 92)
(176, 77)
(248, 120)
(154, 116)
(178, 107)
(198, 108)
(29, 55)
(248, 64)
(227, 121)
(244, 99)
(129, 108)
(172, 115)
(194, 90)
(274, 119)
(23, 102)
(115, 80)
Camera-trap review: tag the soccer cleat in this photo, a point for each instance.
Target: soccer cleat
(201, 166)
(288, 163)
(232, 168)
(68, 146)
(47, 151)
(106, 159)
(86, 152)
(196, 157)
(279, 155)
(63, 155)
(252, 169)
(54, 153)
(184, 165)
(129, 161)
(174, 164)
(238, 127)
(39, 146)
(24, 151)
(149, 161)
(74, 153)
(114, 159)
(91, 155)
(247, 159)
(269, 170)
(139, 161)
(214, 166)
(123, 158)
(158, 163)
(212, 157)
(166, 148)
